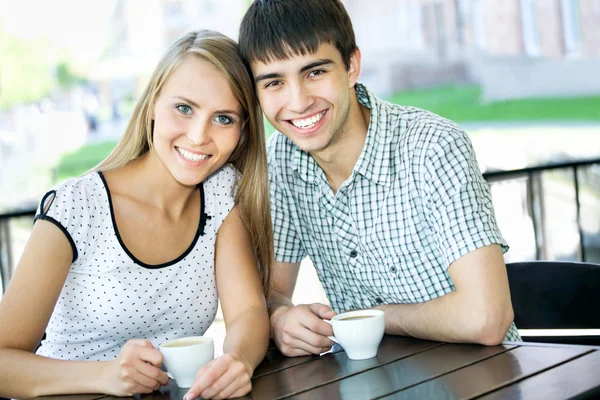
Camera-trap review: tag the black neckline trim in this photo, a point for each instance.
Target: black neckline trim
(199, 231)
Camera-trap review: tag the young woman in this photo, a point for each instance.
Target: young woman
(134, 253)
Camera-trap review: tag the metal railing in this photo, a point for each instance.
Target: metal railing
(7, 264)
(534, 200)
(536, 203)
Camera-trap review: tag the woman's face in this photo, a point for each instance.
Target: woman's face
(197, 121)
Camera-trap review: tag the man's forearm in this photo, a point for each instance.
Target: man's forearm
(278, 300)
(449, 319)
(276, 304)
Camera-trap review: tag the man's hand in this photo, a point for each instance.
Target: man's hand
(300, 330)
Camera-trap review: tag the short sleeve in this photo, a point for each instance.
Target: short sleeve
(288, 247)
(66, 206)
(457, 197)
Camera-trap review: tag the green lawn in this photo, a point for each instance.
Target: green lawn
(463, 104)
(86, 157)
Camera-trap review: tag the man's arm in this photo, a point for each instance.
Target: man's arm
(478, 311)
(297, 330)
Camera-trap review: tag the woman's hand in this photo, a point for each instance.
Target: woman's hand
(224, 377)
(135, 370)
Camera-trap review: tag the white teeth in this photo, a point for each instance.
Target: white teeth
(191, 156)
(308, 122)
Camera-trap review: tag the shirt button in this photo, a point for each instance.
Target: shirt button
(393, 269)
(353, 253)
(379, 300)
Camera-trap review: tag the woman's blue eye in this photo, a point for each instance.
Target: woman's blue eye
(184, 109)
(222, 119)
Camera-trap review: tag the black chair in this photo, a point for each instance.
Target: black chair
(556, 295)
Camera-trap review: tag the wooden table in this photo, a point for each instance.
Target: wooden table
(416, 369)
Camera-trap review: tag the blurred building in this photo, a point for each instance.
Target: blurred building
(536, 48)
(513, 48)
(409, 44)
(141, 31)
(182, 16)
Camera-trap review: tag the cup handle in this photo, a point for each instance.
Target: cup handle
(332, 338)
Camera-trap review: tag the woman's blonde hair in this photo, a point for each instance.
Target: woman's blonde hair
(249, 157)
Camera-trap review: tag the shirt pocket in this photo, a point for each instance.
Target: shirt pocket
(403, 264)
(408, 277)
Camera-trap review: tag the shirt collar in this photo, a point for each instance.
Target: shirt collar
(374, 160)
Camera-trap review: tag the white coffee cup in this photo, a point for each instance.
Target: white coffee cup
(183, 357)
(359, 332)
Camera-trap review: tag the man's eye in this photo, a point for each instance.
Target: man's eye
(184, 109)
(316, 72)
(273, 84)
(224, 120)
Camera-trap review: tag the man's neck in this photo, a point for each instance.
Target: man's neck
(339, 159)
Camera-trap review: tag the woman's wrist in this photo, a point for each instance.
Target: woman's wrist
(238, 355)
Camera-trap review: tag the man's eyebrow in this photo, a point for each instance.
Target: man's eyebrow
(270, 75)
(275, 75)
(318, 63)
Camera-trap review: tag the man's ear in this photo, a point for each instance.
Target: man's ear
(354, 68)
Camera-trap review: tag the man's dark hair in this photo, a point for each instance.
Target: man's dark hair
(279, 29)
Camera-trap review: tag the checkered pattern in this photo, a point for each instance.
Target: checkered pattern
(415, 202)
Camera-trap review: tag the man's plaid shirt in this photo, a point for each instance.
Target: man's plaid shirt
(415, 202)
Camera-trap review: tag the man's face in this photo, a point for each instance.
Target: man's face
(307, 98)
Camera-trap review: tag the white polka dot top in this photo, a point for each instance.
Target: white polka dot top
(109, 296)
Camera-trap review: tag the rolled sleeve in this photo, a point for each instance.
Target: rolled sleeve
(459, 199)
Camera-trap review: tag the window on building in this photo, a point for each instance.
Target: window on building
(478, 17)
(462, 16)
(571, 13)
(531, 31)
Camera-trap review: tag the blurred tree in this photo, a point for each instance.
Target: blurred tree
(28, 70)
(66, 77)
(26, 73)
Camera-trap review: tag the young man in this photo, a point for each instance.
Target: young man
(387, 200)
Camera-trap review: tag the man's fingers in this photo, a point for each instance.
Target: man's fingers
(305, 342)
(315, 324)
(312, 336)
(322, 311)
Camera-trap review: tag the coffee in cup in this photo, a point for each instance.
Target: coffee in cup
(359, 332)
(183, 357)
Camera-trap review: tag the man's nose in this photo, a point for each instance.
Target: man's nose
(300, 99)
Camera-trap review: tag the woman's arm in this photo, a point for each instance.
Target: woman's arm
(245, 312)
(25, 311)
